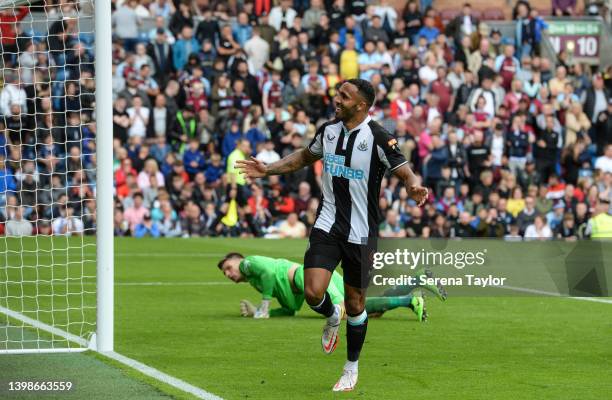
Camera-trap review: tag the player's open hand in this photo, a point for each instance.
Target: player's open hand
(418, 194)
(252, 168)
(247, 309)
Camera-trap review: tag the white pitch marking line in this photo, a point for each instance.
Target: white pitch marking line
(45, 327)
(553, 294)
(76, 282)
(132, 255)
(213, 283)
(161, 376)
(143, 368)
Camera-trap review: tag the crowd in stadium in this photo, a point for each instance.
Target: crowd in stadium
(511, 144)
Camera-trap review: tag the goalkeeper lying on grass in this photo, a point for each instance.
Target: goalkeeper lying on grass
(284, 280)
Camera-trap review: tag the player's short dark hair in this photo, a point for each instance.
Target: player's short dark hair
(365, 89)
(228, 256)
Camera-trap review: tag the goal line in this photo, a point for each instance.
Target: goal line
(86, 345)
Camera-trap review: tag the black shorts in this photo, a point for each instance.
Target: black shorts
(326, 251)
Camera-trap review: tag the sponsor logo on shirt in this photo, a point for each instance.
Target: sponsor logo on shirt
(334, 165)
(393, 144)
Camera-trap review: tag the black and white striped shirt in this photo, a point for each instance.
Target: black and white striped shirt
(354, 163)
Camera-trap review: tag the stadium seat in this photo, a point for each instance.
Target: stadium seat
(477, 14)
(545, 12)
(493, 14)
(448, 15)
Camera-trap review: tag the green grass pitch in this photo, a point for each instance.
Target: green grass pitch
(175, 312)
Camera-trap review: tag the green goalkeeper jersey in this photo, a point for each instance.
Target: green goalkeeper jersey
(269, 276)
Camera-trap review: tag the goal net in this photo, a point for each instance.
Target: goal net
(47, 176)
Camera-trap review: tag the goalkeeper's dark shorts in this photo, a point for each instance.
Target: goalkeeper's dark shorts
(326, 251)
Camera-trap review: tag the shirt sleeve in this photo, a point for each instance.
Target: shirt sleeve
(259, 268)
(388, 149)
(316, 145)
(266, 87)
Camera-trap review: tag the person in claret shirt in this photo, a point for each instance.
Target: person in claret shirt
(272, 92)
(507, 65)
(444, 90)
(197, 98)
(468, 126)
(512, 98)
(482, 119)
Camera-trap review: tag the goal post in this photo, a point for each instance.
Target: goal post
(56, 177)
(105, 234)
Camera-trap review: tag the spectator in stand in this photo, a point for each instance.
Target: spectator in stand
(139, 118)
(604, 162)
(507, 65)
(147, 227)
(282, 15)
(17, 225)
(485, 123)
(292, 228)
(214, 171)
(135, 215)
(527, 216)
(193, 158)
(8, 23)
(392, 227)
(121, 177)
(577, 124)
(567, 229)
(183, 47)
(603, 128)
(547, 149)
(538, 230)
(281, 203)
(241, 152)
(7, 181)
(463, 226)
(67, 224)
(150, 169)
(562, 8)
(126, 22)
(428, 31)
(162, 8)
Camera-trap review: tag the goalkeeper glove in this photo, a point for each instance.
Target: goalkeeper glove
(247, 309)
(263, 310)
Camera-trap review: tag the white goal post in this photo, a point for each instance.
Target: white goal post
(56, 294)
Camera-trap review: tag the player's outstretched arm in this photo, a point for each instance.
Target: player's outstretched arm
(416, 192)
(254, 168)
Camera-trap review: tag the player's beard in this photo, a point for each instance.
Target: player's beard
(338, 112)
(343, 114)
